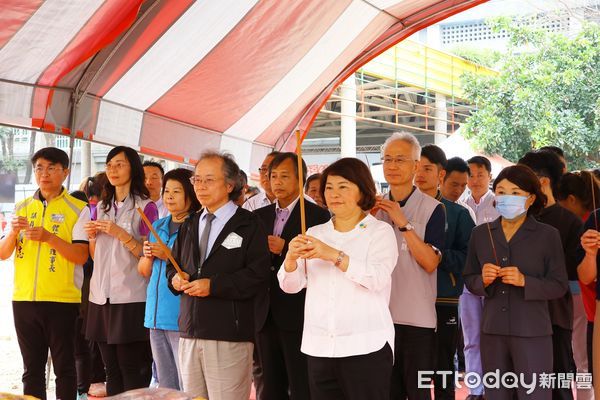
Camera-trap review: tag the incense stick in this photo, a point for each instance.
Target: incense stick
(300, 181)
(594, 200)
(161, 243)
(492, 242)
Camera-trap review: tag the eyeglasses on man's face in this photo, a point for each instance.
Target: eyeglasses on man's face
(39, 170)
(264, 170)
(395, 160)
(200, 181)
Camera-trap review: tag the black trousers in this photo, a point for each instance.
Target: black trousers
(521, 355)
(41, 326)
(284, 368)
(563, 359)
(257, 374)
(446, 338)
(351, 378)
(414, 352)
(88, 361)
(128, 366)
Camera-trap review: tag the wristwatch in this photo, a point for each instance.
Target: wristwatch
(339, 259)
(406, 228)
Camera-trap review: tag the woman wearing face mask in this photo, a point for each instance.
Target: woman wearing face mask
(162, 306)
(517, 265)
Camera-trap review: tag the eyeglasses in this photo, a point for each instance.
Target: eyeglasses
(209, 182)
(115, 166)
(49, 170)
(263, 170)
(396, 160)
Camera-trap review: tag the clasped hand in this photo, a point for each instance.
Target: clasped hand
(155, 250)
(309, 247)
(198, 288)
(104, 226)
(37, 234)
(509, 275)
(590, 241)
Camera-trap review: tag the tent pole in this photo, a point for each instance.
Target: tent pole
(72, 137)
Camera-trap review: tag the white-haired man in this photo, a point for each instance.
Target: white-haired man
(419, 222)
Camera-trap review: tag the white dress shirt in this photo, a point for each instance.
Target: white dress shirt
(347, 313)
(485, 210)
(222, 216)
(257, 201)
(162, 208)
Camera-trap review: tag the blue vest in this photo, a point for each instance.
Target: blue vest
(162, 306)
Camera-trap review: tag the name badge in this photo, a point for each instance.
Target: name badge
(232, 241)
(58, 218)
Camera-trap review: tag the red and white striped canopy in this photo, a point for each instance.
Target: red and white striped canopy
(175, 77)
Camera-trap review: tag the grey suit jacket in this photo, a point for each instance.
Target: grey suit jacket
(536, 250)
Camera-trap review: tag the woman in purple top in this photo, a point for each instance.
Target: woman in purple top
(115, 317)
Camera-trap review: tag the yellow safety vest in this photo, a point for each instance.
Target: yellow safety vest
(41, 272)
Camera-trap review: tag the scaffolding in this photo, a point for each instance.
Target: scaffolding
(410, 87)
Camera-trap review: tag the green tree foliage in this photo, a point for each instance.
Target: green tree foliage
(545, 94)
(7, 140)
(486, 57)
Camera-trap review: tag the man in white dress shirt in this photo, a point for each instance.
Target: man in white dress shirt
(267, 197)
(481, 200)
(455, 182)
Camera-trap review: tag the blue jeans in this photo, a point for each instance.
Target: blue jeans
(471, 310)
(165, 345)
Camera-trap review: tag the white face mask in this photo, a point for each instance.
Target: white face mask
(510, 206)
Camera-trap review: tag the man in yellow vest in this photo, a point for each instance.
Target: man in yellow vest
(50, 245)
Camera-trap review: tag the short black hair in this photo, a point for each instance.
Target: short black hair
(356, 172)
(80, 195)
(243, 177)
(281, 157)
(154, 164)
(434, 154)
(580, 184)
(481, 160)
(311, 178)
(183, 175)
(544, 163)
(456, 164)
(555, 149)
(522, 176)
(52, 154)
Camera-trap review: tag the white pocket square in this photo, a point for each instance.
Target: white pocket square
(232, 241)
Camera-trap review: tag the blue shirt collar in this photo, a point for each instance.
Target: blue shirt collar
(223, 213)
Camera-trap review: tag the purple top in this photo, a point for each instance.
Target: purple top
(281, 217)
(150, 211)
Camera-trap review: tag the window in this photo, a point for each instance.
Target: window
(475, 31)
